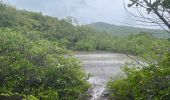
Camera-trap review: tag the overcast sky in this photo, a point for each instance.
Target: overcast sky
(85, 11)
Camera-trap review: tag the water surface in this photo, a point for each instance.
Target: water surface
(101, 66)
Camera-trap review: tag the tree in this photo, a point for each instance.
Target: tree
(159, 11)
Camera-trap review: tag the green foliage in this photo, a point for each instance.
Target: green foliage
(144, 83)
(166, 4)
(155, 4)
(38, 68)
(153, 7)
(124, 31)
(34, 62)
(35, 26)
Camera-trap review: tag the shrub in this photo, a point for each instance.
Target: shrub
(147, 83)
(38, 69)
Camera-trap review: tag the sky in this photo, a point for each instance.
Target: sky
(84, 11)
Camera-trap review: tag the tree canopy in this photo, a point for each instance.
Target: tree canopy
(160, 8)
(36, 61)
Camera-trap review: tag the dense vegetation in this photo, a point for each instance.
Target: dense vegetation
(36, 61)
(151, 80)
(148, 82)
(124, 31)
(32, 64)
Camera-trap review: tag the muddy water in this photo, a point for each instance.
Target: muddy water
(101, 66)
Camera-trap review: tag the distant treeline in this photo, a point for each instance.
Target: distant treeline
(37, 26)
(33, 46)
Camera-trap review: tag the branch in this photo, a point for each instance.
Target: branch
(157, 13)
(159, 20)
(135, 60)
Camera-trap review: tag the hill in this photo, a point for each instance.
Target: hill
(126, 30)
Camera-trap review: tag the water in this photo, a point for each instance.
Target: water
(101, 66)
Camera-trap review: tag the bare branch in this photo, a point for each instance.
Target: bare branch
(156, 13)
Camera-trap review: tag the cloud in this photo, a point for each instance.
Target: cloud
(85, 11)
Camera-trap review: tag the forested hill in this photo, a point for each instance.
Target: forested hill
(126, 30)
(35, 63)
(37, 26)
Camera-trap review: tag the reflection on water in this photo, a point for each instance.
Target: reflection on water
(101, 66)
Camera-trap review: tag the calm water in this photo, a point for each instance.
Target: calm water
(101, 66)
